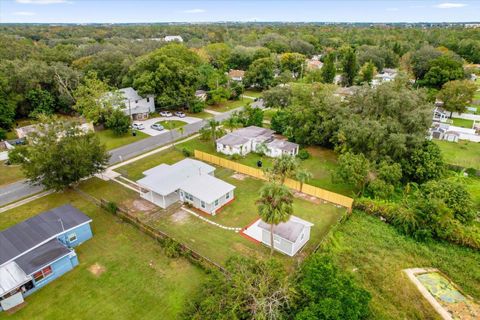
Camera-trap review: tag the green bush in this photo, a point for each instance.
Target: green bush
(111, 207)
(303, 154)
(186, 152)
(472, 172)
(235, 156)
(172, 248)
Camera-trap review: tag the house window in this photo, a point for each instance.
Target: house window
(227, 196)
(72, 237)
(216, 202)
(202, 204)
(188, 196)
(42, 274)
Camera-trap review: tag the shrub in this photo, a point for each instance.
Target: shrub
(235, 156)
(186, 152)
(172, 248)
(111, 207)
(472, 172)
(118, 122)
(197, 106)
(3, 134)
(303, 154)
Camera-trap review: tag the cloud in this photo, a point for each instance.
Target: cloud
(42, 1)
(392, 9)
(195, 11)
(450, 5)
(24, 13)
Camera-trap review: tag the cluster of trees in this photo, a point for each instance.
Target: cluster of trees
(257, 289)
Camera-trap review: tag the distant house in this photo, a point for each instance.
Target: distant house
(201, 95)
(440, 114)
(256, 139)
(443, 131)
(134, 105)
(314, 64)
(189, 181)
(236, 75)
(173, 38)
(288, 237)
(38, 250)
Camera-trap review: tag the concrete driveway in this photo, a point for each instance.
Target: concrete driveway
(152, 132)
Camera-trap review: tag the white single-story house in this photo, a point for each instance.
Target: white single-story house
(24, 132)
(288, 237)
(253, 138)
(189, 181)
(440, 114)
(451, 133)
(173, 38)
(134, 105)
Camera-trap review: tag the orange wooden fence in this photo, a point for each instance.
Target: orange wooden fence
(326, 195)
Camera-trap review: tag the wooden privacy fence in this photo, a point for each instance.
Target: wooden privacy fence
(326, 195)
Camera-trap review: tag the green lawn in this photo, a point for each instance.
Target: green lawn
(268, 114)
(174, 123)
(322, 163)
(139, 281)
(463, 153)
(463, 123)
(229, 105)
(375, 253)
(113, 141)
(201, 115)
(253, 93)
(9, 174)
(473, 186)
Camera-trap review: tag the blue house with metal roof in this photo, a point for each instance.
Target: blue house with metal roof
(39, 250)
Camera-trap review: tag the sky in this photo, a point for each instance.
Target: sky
(130, 11)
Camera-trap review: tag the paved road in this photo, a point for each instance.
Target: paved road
(21, 189)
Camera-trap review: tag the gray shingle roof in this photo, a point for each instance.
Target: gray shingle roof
(42, 256)
(32, 232)
(283, 145)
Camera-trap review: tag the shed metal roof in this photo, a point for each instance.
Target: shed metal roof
(289, 230)
(232, 139)
(29, 234)
(283, 145)
(11, 277)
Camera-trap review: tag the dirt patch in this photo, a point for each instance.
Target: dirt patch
(180, 217)
(239, 176)
(306, 197)
(97, 269)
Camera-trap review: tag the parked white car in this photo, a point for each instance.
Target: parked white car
(138, 126)
(157, 126)
(180, 114)
(166, 114)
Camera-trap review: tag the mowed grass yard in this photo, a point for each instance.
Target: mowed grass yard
(9, 174)
(376, 253)
(464, 123)
(229, 105)
(113, 141)
(139, 281)
(172, 124)
(462, 153)
(252, 93)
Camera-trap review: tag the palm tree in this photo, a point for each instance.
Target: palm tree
(214, 130)
(275, 205)
(283, 167)
(303, 175)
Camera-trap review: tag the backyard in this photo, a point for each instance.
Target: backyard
(464, 123)
(462, 153)
(113, 141)
(376, 253)
(134, 270)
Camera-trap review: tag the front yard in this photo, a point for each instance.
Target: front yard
(136, 272)
(462, 153)
(230, 105)
(113, 141)
(464, 123)
(9, 174)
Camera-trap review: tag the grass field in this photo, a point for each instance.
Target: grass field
(113, 141)
(229, 105)
(463, 153)
(174, 123)
(253, 93)
(268, 114)
(201, 115)
(376, 254)
(464, 123)
(9, 174)
(137, 274)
